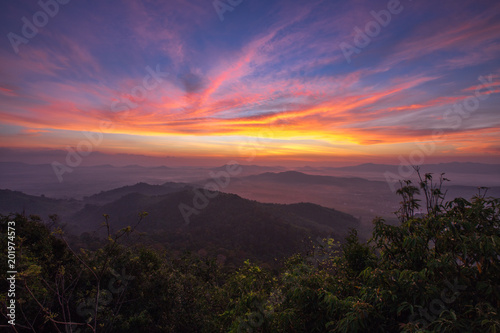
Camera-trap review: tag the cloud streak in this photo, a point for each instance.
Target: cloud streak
(285, 77)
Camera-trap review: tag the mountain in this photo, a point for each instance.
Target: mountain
(226, 224)
(308, 215)
(367, 167)
(357, 196)
(236, 227)
(247, 169)
(38, 179)
(141, 188)
(295, 177)
(165, 214)
(452, 167)
(12, 202)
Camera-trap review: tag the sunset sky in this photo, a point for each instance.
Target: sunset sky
(256, 81)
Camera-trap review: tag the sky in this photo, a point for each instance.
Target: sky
(280, 82)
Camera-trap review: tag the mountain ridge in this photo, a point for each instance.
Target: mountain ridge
(228, 224)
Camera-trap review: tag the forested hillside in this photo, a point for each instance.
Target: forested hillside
(434, 272)
(229, 225)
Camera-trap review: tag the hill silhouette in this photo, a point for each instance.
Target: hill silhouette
(142, 188)
(296, 177)
(229, 225)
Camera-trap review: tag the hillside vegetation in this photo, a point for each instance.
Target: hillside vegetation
(437, 271)
(229, 225)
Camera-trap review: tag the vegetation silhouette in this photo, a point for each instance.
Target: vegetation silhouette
(437, 270)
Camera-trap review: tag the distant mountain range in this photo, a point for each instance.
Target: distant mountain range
(341, 188)
(355, 195)
(230, 225)
(18, 202)
(105, 197)
(291, 205)
(37, 179)
(453, 167)
(295, 177)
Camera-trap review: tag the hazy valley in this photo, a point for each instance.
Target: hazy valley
(268, 208)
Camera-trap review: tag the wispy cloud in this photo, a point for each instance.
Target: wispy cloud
(267, 63)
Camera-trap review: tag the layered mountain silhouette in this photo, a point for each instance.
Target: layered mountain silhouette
(227, 225)
(291, 206)
(295, 177)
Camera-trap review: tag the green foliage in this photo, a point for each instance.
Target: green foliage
(434, 272)
(356, 255)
